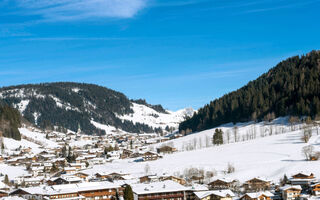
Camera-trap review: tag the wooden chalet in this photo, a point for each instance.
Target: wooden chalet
(219, 184)
(82, 175)
(290, 192)
(303, 179)
(215, 195)
(257, 184)
(148, 179)
(82, 191)
(316, 189)
(57, 181)
(266, 195)
(70, 170)
(303, 176)
(166, 149)
(169, 190)
(126, 153)
(3, 193)
(109, 176)
(173, 178)
(147, 156)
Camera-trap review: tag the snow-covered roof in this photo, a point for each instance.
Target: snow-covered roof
(255, 195)
(198, 187)
(287, 187)
(12, 198)
(220, 193)
(157, 187)
(3, 186)
(227, 180)
(70, 188)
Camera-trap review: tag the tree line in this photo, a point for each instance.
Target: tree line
(10, 121)
(290, 88)
(81, 104)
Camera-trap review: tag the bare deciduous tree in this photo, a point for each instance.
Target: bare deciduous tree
(308, 152)
(306, 134)
(147, 169)
(230, 168)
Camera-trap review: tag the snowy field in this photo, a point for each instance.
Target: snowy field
(269, 157)
(38, 138)
(12, 145)
(12, 171)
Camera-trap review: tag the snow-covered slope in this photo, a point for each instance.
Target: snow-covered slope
(232, 133)
(153, 118)
(38, 137)
(270, 156)
(30, 139)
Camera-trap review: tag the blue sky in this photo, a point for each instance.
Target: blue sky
(178, 53)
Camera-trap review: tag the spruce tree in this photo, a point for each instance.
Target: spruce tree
(218, 137)
(128, 193)
(6, 180)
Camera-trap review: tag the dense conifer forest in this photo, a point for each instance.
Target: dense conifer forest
(10, 121)
(290, 88)
(72, 106)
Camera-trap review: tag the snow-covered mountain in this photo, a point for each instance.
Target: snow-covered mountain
(92, 108)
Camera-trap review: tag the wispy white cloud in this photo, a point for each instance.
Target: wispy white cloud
(283, 6)
(171, 3)
(73, 39)
(68, 10)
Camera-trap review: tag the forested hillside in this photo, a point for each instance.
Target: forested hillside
(290, 88)
(72, 106)
(10, 121)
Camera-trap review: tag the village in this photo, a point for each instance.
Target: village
(63, 172)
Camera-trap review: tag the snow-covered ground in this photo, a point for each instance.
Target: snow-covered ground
(268, 156)
(149, 116)
(38, 138)
(12, 145)
(12, 171)
(107, 128)
(232, 133)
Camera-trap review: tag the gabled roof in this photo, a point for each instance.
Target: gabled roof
(220, 193)
(290, 187)
(69, 188)
(157, 187)
(258, 178)
(254, 195)
(226, 180)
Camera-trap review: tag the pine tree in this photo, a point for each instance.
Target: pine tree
(6, 180)
(218, 137)
(128, 193)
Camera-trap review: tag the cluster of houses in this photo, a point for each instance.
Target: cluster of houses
(63, 173)
(83, 186)
(54, 163)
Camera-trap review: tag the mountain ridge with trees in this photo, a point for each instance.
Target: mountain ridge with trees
(292, 88)
(70, 105)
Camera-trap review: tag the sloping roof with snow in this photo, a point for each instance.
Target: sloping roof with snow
(255, 195)
(220, 193)
(157, 187)
(70, 188)
(288, 187)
